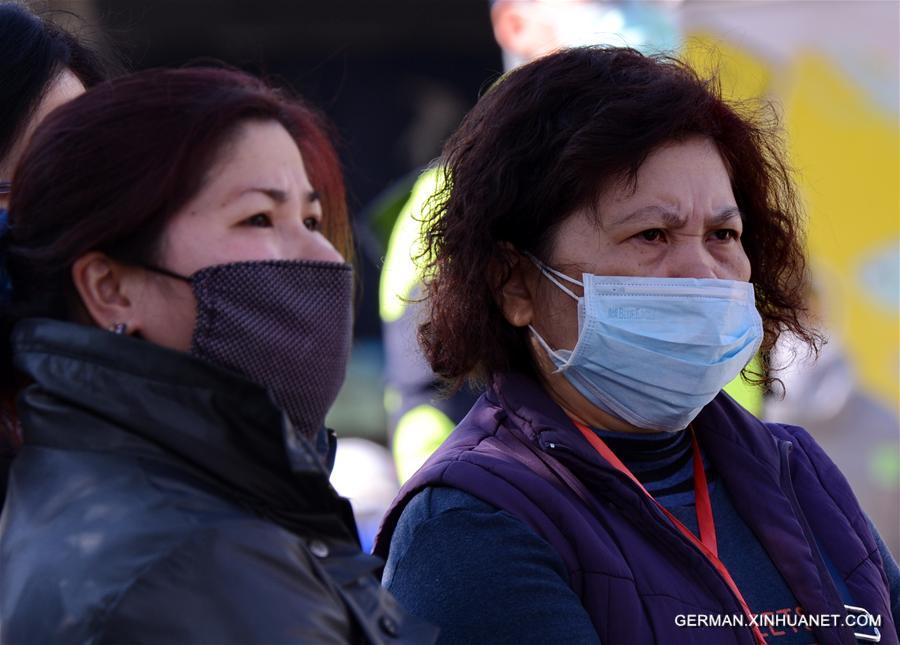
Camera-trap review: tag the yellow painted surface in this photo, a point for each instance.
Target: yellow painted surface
(848, 154)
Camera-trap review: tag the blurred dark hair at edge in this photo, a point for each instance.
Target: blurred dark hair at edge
(33, 52)
(543, 143)
(106, 171)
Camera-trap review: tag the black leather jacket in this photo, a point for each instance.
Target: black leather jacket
(160, 499)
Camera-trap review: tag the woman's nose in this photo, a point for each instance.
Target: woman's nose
(690, 259)
(322, 250)
(301, 243)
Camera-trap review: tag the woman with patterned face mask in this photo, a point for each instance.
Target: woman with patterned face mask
(180, 318)
(614, 245)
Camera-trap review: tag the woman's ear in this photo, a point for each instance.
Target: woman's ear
(513, 280)
(103, 286)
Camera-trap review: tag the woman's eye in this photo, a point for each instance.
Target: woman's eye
(260, 220)
(725, 234)
(312, 223)
(651, 235)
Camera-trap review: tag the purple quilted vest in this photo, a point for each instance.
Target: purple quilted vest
(633, 571)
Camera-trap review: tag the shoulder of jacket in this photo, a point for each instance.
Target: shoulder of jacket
(801, 439)
(231, 540)
(207, 555)
(237, 581)
(810, 459)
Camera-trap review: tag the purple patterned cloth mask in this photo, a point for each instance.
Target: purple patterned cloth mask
(283, 324)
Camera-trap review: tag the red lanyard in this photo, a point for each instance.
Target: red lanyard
(707, 541)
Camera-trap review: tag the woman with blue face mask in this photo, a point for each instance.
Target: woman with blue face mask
(614, 245)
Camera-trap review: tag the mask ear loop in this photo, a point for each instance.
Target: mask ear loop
(558, 361)
(166, 272)
(553, 274)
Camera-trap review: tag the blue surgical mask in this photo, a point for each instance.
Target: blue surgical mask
(654, 351)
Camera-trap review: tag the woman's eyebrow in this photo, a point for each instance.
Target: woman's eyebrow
(674, 219)
(724, 214)
(275, 194)
(669, 216)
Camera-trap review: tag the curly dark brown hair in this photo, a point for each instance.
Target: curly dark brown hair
(542, 143)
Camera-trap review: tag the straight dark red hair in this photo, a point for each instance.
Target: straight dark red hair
(108, 170)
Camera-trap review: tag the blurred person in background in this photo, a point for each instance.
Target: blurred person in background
(614, 244)
(178, 319)
(420, 415)
(822, 393)
(41, 67)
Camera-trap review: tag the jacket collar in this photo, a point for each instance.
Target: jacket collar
(723, 427)
(94, 390)
(526, 399)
